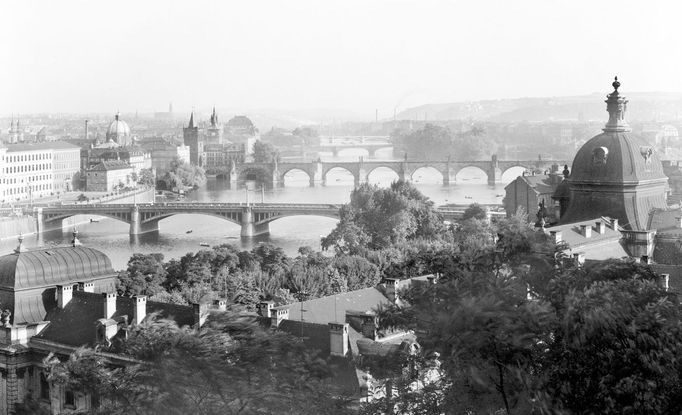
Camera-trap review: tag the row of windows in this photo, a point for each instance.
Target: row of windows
(14, 180)
(25, 189)
(32, 167)
(28, 157)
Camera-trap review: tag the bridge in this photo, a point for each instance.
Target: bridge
(254, 219)
(272, 174)
(370, 147)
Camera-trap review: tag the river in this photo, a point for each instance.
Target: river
(112, 237)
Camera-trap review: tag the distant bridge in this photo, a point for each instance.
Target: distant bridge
(254, 218)
(273, 173)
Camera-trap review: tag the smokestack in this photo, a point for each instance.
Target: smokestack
(376, 115)
(86, 129)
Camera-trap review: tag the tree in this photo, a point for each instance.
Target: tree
(184, 174)
(377, 218)
(147, 178)
(474, 211)
(264, 152)
(144, 276)
(232, 367)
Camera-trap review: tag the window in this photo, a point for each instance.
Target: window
(44, 387)
(69, 399)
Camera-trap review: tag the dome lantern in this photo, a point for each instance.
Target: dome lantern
(616, 105)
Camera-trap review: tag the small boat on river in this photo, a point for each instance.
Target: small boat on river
(204, 244)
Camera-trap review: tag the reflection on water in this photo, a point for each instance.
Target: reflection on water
(173, 239)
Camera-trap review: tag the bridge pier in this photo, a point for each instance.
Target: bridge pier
(315, 174)
(38, 216)
(492, 171)
(137, 227)
(250, 228)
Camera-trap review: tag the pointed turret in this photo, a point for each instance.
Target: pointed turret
(214, 118)
(191, 120)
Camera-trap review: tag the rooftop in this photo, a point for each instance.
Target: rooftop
(111, 165)
(595, 247)
(48, 145)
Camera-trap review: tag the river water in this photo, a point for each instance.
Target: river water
(112, 237)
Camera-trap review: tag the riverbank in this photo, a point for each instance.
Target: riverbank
(24, 224)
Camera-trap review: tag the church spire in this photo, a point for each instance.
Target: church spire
(616, 105)
(191, 120)
(214, 118)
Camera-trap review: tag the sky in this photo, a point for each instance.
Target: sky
(357, 55)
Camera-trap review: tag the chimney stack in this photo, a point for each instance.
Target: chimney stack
(140, 311)
(338, 339)
(601, 227)
(86, 286)
(579, 258)
(109, 304)
(64, 295)
(277, 315)
(645, 260)
(614, 224)
(369, 326)
(392, 289)
(679, 222)
(265, 307)
(556, 235)
(664, 281)
(220, 304)
(586, 230)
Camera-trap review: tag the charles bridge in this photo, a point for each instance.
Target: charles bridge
(272, 174)
(254, 218)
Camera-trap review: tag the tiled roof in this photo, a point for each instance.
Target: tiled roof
(665, 221)
(597, 246)
(75, 324)
(111, 165)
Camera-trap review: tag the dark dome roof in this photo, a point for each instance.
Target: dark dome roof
(52, 266)
(616, 156)
(240, 121)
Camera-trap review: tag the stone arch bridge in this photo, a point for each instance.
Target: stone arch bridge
(273, 173)
(254, 219)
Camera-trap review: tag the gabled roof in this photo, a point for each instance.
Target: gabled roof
(75, 324)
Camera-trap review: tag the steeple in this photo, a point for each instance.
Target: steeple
(191, 120)
(214, 118)
(616, 105)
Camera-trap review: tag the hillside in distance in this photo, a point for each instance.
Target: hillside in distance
(643, 107)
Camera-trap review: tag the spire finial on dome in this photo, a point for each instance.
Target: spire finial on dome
(75, 242)
(20, 248)
(615, 84)
(616, 105)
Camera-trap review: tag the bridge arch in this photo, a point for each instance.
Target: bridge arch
(295, 170)
(290, 215)
(437, 176)
(157, 218)
(471, 173)
(337, 169)
(387, 168)
(509, 173)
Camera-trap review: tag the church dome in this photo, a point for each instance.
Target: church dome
(118, 131)
(616, 173)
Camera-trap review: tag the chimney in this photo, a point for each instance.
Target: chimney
(556, 235)
(431, 279)
(678, 222)
(586, 230)
(64, 294)
(220, 304)
(664, 281)
(392, 289)
(645, 260)
(369, 326)
(579, 258)
(200, 313)
(86, 286)
(109, 304)
(601, 227)
(277, 315)
(614, 224)
(265, 307)
(338, 339)
(86, 129)
(140, 311)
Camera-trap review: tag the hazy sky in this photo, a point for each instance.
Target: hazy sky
(98, 56)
